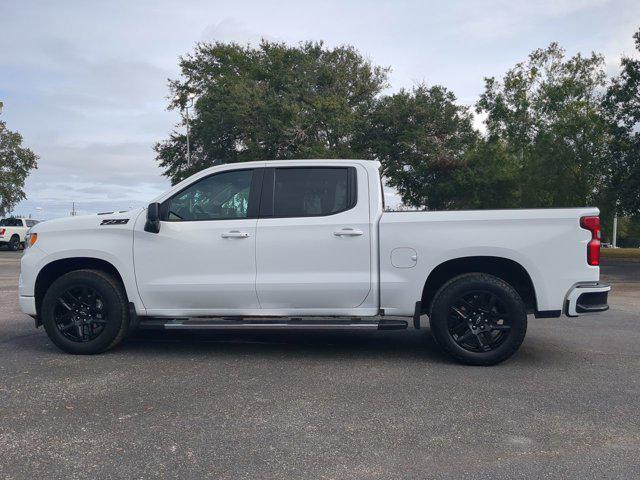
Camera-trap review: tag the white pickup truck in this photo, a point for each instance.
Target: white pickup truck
(306, 244)
(13, 231)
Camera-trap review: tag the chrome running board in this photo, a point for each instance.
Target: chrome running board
(270, 324)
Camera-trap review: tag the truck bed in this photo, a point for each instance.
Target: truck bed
(548, 243)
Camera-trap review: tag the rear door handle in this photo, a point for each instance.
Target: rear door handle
(348, 232)
(235, 234)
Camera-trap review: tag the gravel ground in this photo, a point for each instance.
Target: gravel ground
(361, 405)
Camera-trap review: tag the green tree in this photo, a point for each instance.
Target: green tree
(548, 112)
(271, 102)
(421, 137)
(623, 105)
(489, 177)
(629, 232)
(16, 162)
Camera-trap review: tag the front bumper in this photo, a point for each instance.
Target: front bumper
(28, 305)
(587, 298)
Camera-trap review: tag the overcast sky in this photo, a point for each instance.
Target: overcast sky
(85, 82)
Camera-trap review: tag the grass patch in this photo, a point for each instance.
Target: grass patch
(620, 253)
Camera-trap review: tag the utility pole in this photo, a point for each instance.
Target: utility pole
(73, 209)
(189, 104)
(188, 151)
(614, 239)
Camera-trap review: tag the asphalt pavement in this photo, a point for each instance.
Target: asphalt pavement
(349, 405)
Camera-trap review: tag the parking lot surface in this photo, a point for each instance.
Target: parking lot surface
(360, 405)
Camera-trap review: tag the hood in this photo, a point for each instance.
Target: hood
(124, 220)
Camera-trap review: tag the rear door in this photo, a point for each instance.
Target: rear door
(313, 238)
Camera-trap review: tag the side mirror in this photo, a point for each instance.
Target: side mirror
(153, 218)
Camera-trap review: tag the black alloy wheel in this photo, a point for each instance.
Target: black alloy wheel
(85, 312)
(478, 319)
(80, 314)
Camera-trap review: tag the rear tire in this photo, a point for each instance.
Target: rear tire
(478, 319)
(14, 243)
(85, 312)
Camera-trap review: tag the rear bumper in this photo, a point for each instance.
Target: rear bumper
(587, 298)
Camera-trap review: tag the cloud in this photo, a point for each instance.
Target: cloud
(234, 30)
(512, 17)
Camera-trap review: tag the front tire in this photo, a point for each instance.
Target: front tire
(478, 319)
(85, 312)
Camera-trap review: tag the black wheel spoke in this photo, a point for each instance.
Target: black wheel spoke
(481, 341)
(460, 328)
(459, 313)
(477, 322)
(79, 314)
(63, 302)
(467, 304)
(71, 298)
(501, 328)
(492, 303)
(467, 335)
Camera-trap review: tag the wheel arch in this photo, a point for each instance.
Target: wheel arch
(55, 269)
(506, 269)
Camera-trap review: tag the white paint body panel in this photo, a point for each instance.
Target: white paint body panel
(549, 244)
(296, 266)
(83, 236)
(302, 264)
(188, 268)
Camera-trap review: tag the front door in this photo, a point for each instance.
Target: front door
(202, 262)
(313, 248)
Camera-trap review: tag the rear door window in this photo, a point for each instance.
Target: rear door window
(10, 222)
(313, 191)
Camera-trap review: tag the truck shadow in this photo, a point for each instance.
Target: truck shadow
(319, 344)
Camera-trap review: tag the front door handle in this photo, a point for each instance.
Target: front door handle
(348, 232)
(235, 234)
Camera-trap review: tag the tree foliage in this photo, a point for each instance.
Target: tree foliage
(489, 178)
(421, 137)
(272, 102)
(548, 113)
(16, 162)
(623, 105)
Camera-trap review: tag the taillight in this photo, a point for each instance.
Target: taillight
(593, 247)
(2, 231)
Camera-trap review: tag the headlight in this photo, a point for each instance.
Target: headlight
(31, 239)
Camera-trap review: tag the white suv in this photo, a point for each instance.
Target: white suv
(13, 231)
